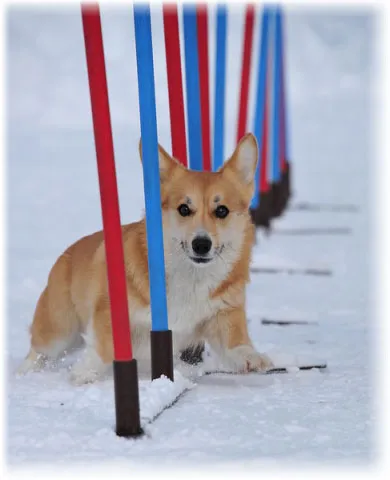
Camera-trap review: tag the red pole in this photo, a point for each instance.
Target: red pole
(107, 182)
(203, 49)
(175, 85)
(245, 71)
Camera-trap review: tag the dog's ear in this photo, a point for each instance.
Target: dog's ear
(166, 163)
(243, 162)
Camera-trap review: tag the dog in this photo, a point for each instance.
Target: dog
(208, 238)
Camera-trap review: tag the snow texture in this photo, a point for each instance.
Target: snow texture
(53, 199)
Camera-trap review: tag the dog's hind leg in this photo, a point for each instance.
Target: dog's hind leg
(33, 362)
(55, 326)
(98, 355)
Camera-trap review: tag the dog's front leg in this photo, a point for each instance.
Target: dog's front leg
(227, 335)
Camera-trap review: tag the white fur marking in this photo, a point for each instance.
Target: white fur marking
(90, 366)
(245, 359)
(34, 362)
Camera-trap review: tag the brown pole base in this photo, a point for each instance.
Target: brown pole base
(261, 215)
(283, 323)
(318, 207)
(292, 271)
(128, 423)
(285, 186)
(193, 355)
(162, 356)
(315, 231)
(276, 199)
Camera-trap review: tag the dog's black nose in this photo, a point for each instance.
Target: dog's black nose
(201, 245)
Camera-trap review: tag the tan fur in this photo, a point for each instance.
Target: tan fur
(75, 300)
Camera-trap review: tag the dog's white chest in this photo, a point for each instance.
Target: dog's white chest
(189, 303)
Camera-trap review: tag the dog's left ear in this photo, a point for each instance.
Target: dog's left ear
(166, 163)
(244, 159)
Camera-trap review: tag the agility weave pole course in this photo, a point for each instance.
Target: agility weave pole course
(272, 177)
(320, 416)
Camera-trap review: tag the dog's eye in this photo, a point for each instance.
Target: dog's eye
(221, 211)
(184, 210)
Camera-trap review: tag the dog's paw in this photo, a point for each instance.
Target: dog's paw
(79, 376)
(88, 369)
(258, 362)
(34, 362)
(245, 359)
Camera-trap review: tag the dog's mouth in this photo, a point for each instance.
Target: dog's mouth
(201, 259)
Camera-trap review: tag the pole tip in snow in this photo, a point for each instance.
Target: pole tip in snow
(161, 350)
(128, 422)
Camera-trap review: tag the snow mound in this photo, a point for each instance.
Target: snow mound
(160, 394)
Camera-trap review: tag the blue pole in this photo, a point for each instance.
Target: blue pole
(275, 152)
(220, 87)
(192, 87)
(260, 97)
(150, 165)
(283, 80)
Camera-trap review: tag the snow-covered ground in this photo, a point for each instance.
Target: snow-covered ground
(323, 417)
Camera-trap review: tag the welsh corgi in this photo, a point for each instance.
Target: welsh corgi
(208, 238)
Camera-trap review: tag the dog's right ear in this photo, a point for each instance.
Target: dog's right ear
(167, 163)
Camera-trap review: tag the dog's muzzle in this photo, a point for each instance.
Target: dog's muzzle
(201, 247)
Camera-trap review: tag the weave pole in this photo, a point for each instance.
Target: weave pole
(261, 214)
(203, 56)
(160, 335)
(194, 127)
(264, 209)
(175, 85)
(125, 366)
(285, 165)
(275, 174)
(245, 72)
(260, 205)
(220, 87)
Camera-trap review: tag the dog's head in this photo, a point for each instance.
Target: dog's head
(205, 214)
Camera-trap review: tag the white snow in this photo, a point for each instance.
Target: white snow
(321, 417)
